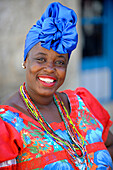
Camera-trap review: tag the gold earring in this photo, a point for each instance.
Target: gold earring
(23, 66)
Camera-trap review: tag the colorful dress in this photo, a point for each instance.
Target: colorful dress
(24, 145)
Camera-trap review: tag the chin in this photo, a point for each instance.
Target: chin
(46, 92)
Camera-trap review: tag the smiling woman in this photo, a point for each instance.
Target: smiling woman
(45, 71)
(46, 129)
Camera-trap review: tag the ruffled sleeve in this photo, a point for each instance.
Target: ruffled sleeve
(10, 141)
(96, 108)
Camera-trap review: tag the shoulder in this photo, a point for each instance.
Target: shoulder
(91, 103)
(9, 128)
(69, 98)
(13, 100)
(16, 102)
(63, 97)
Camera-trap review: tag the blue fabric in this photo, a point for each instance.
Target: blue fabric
(56, 29)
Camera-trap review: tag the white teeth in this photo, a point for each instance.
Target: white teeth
(47, 80)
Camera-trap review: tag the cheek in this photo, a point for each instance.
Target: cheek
(62, 74)
(32, 68)
(31, 71)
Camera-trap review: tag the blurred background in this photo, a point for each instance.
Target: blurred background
(91, 64)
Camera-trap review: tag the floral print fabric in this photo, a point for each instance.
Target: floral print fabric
(39, 151)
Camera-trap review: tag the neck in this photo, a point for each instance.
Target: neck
(40, 100)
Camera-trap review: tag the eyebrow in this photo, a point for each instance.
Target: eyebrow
(41, 53)
(59, 55)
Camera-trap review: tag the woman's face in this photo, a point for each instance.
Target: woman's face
(45, 70)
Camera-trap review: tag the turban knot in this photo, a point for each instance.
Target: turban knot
(56, 29)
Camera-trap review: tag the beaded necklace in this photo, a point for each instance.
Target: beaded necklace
(75, 148)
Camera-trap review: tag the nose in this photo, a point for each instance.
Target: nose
(49, 67)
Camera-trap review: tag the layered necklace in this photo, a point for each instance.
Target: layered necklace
(75, 148)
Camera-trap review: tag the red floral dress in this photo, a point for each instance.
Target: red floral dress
(24, 145)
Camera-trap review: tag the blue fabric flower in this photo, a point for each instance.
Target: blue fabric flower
(94, 136)
(14, 119)
(103, 159)
(59, 165)
(56, 29)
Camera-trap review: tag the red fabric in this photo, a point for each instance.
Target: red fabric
(41, 161)
(96, 108)
(10, 141)
(11, 167)
(93, 147)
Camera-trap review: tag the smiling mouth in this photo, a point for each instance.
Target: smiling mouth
(47, 81)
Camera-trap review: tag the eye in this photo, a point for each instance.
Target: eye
(41, 59)
(60, 63)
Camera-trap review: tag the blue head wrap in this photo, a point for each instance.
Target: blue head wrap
(56, 29)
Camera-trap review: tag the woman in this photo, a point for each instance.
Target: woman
(42, 128)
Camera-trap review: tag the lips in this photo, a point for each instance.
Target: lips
(47, 80)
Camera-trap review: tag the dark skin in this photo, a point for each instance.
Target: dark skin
(52, 114)
(41, 61)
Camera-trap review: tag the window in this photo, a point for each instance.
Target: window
(92, 27)
(97, 43)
